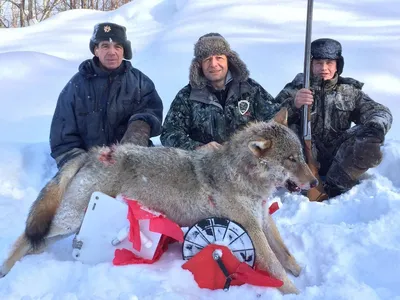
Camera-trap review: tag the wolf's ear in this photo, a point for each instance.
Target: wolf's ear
(260, 146)
(282, 116)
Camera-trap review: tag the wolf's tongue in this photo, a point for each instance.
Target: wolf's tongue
(292, 187)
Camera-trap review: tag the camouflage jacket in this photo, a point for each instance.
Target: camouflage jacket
(196, 117)
(337, 103)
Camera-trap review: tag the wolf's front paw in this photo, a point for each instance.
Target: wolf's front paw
(2, 272)
(289, 288)
(294, 267)
(296, 271)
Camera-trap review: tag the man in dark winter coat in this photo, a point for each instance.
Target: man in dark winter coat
(344, 152)
(219, 99)
(107, 101)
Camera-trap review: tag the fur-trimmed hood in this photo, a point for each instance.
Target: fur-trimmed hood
(213, 44)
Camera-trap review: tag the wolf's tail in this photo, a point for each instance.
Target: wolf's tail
(45, 206)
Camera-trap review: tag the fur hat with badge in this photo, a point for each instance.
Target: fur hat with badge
(111, 32)
(215, 44)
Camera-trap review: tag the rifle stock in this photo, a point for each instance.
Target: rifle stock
(318, 193)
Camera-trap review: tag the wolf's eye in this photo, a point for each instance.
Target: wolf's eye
(291, 158)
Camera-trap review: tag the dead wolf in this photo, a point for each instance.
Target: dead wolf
(237, 178)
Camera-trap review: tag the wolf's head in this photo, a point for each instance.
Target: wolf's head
(276, 155)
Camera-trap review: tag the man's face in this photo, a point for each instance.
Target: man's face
(110, 54)
(215, 68)
(324, 68)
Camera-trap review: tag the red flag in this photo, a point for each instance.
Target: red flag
(158, 223)
(208, 274)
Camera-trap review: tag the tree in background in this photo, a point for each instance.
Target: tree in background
(21, 13)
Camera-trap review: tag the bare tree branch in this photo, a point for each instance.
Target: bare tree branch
(48, 11)
(26, 12)
(14, 3)
(3, 24)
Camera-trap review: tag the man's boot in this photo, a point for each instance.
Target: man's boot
(354, 157)
(338, 181)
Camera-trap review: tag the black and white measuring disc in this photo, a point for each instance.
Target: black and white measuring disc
(219, 231)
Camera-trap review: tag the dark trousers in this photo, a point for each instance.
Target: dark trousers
(352, 156)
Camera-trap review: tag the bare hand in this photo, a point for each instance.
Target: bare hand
(210, 146)
(303, 97)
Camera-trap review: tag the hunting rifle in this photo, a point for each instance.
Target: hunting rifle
(318, 193)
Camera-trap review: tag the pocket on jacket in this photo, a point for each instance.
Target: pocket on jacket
(127, 103)
(89, 124)
(343, 109)
(128, 106)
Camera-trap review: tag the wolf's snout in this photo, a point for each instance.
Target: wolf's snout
(313, 183)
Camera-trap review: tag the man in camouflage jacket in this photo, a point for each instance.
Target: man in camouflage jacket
(219, 99)
(344, 152)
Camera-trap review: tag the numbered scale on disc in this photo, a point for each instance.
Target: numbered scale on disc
(219, 231)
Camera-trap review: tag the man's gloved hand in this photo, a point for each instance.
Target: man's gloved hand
(371, 130)
(138, 133)
(367, 153)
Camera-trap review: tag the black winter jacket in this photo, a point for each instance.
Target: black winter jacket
(96, 106)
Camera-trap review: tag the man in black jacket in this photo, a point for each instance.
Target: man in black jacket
(108, 101)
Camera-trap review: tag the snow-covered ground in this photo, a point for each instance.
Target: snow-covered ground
(349, 247)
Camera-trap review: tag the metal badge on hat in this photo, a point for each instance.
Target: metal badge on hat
(243, 106)
(107, 28)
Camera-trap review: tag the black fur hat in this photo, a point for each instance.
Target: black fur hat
(328, 49)
(111, 32)
(215, 44)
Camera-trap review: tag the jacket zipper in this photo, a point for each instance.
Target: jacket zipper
(106, 132)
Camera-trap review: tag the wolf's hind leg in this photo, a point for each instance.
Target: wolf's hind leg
(23, 247)
(20, 249)
(278, 246)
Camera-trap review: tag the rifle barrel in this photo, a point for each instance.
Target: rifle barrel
(307, 64)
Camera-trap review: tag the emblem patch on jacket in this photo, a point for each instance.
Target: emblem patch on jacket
(243, 106)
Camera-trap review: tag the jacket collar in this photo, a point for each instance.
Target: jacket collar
(91, 68)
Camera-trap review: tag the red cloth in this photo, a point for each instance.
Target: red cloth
(172, 232)
(208, 274)
(273, 208)
(158, 223)
(125, 257)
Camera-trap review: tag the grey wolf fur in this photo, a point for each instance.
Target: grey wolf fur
(178, 183)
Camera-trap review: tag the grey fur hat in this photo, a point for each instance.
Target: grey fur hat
(113, 32)
(214, 44)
